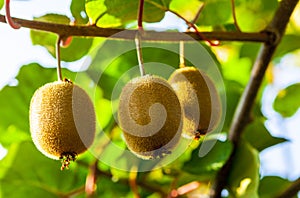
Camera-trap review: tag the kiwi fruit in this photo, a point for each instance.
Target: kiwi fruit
(62, 120)
(199, 99)
(150, 116)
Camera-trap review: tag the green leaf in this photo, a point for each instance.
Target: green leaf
(108, 21)
(154, 10)
(270, 186)
(259, 137)
(233, 93)
(230, 27)
(249, 50)
(96, 10)
(53, 18)
(287, 101)
(109, 63)
(116, 13)
(269, 5)
(244, 175)
(1, 3)
(254, 15)
(15, 100)
(28, 172)
(289, 43)
(221, 13)
(78, 11)
(78, 47)
(210, 163)
(12, 135)
(187, 9)
(104, 188)
(237, 69)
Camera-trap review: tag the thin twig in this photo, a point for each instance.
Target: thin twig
(189, 24)
(187, 188)
(291, 191)
(173, 191)
(9, 20)
(234, 16)
(74, 192)
(195, 19)
(192, 25)
(144, 184)
(140, 14)
(242, 113)
(198, 13)
(132, 181)
(90, 184)
(99, 17)
(94, 31)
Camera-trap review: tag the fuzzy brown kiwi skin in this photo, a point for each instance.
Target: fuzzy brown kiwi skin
(62, 120)
(197, 93)
(136, 98)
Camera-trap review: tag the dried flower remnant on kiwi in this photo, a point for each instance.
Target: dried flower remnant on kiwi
(150, 117)
(66, 159)
(62, 121)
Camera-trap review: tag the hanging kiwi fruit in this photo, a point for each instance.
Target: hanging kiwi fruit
(199, 99)
(62, 120)
(150, 116)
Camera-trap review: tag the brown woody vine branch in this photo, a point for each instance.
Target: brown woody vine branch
(65, 30)
(291, 191)
(241, 117)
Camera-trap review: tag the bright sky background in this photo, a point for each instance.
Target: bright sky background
(17, 50)
(283, 159)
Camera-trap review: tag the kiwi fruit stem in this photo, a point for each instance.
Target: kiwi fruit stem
(138, 37)
(181, 54)
(138, 40)
(59, 74)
